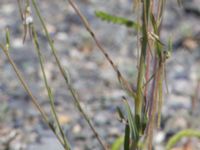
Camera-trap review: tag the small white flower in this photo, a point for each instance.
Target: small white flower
(28, 20)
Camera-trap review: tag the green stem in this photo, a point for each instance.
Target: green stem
(50, 95)
(70, 87)
(25, 86)
(141, 73)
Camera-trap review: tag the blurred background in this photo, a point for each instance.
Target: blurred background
(22, 128)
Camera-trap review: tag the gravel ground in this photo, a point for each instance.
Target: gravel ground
(21, 126)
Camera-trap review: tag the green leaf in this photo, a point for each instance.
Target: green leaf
(144, 122)
(121, 116)
(170, 47)
(184, 133)
(117, 20)
(118, 143)
(127, 137)
(132, 123)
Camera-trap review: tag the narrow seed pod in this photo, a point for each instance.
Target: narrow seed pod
(7, 38)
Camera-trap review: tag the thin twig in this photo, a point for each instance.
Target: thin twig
(25, 86)
(50, 95)
(64, 74)
(121, 79)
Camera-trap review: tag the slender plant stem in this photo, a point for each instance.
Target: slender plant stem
(71, 89)
(124, 83)
(25, 86)
(141, 73)
(50, 95)
(154, 102)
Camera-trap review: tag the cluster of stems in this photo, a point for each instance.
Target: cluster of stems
(149, 87)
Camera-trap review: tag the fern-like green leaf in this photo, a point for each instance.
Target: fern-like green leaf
(117, 20)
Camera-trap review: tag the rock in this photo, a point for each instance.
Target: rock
(8, 8)
(195, 71)
(64, 119)
(75, 54)
(62, 36)
(47, 143)
(51, 29)
(11, 139)
(116, 94)
(179, 123)
(178, 101)
(182, 87)
(101, 118)
(17, 43)
(114, 132)
(76, 129)
(192, 7)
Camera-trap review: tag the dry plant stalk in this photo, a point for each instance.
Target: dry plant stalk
(148, 98)
(121, 79)
(66, 78)
(27, 89)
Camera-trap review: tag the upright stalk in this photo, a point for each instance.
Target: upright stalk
(66, 78)
(50, 95)
(27, 89)
(142, 64)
